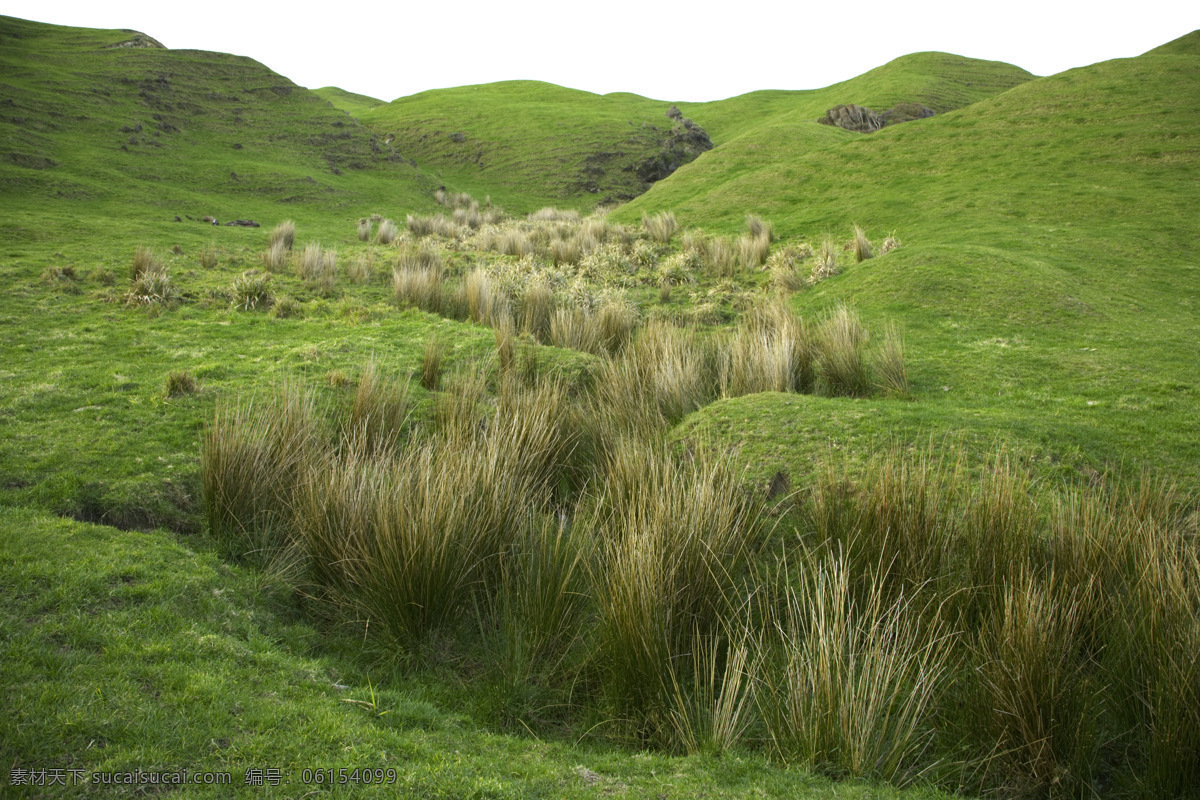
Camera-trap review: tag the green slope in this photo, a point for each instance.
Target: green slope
(530, 143)
(353, 104)
(940, 81)
(1049, 278)
(146, 131)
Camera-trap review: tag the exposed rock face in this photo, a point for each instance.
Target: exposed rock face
(683, 143)
(139, 40)
(853, 118)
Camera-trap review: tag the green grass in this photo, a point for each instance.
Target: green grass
(125, 651)
(1044, 300)
(1046, 296)
(353, 104)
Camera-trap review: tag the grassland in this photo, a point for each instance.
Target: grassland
(660, 408)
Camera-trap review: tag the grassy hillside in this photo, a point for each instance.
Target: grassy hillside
(143, 132)
(1047, 280)
(353, 104)
(941, 81)
(530, 506)
(529, 143)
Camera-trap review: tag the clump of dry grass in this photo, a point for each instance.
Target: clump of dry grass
(537, 309)
(863, 249)
(317, 265)
(660, 227)
(284, 235)
(890, 243)
(418, 279)
(364, 229)
(890, 369)
(361, 268)
(505, 331)
(252, 291)
(515, 243)
(826, 265)
(431, 363)
(180, 382)
(721, 257)
(784, 267)
(387, 232)
(149, 283)
(842, 367)
(436, 224)
(752, 249)
(275, 257)
(380, 412)
(759, 228)
(549, 214)
(771, 351)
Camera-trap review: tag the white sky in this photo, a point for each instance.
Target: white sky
(668, 51)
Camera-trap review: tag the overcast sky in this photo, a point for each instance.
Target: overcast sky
(668, 51)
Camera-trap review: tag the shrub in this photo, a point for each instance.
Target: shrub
(661, 227)
(180, 382)
(252, 290)
(863, 248)
(284, 235)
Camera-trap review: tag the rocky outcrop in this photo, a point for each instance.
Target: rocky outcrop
(853, 118)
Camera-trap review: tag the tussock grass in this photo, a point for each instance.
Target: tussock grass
(891, 370)
(276, 257)
(863, 249)
(574, 327)
(759, 228)
(616, 321)
(476, 288)
(842, 366)
(180, 383)
(890, 243)
(433, 225)
(361, 268)
(568, 251)
(549, 214)
(515, 243)
(855, 681)
(505, 331)
(364, 229)
(251, 291)
(676, 538)
(825, 265)
(418, 281)
(208, 256)
(752, 250)
(317, 265)
(150, 283)
(784, 266)
(144, 261)
(287, 308)
(387, 232)
(253, 456)
(283, 235)
(431, 363)
(380, 413)
(771, 351)
(721, 257)
(660, 227)
(537, 309)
